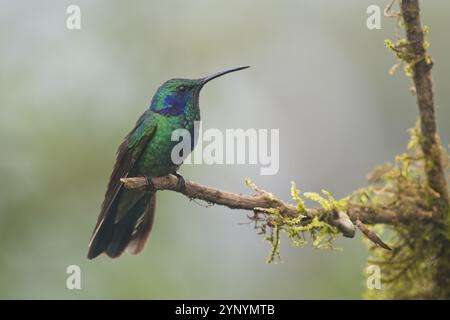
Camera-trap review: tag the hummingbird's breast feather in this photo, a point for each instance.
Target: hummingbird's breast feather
(156, 158)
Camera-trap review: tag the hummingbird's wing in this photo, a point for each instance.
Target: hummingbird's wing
(128, 154)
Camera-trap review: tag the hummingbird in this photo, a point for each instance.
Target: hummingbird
(127, 215)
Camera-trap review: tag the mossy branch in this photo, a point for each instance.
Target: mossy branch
(429, 141)
(272, 213)
(265, 200)
(419, 265)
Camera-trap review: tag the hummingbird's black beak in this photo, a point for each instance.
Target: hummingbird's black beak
(219, 74)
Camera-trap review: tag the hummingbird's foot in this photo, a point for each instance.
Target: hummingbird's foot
(149, 183)
(181, 185)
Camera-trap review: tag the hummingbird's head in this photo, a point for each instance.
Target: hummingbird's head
(176, 94)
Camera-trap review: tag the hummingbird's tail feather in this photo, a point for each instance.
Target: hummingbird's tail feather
(103, 232)
(128, 224)
(133, 227)
(141, 233)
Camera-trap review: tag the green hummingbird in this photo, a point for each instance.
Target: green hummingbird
(126, 216)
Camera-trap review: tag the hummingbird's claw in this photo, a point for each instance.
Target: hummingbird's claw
(181, 185)
(149, 183)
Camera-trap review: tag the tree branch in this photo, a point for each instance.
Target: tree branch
(430, 145)
(343, 221)
(424, 89)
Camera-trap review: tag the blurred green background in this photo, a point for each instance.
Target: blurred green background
(67, 98)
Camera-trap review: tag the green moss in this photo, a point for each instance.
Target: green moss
(420, 254)
(299, 229)
(405, 53)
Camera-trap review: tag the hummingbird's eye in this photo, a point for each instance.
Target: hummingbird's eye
(182, 88)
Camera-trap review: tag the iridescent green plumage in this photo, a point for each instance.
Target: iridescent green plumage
(127, 216)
